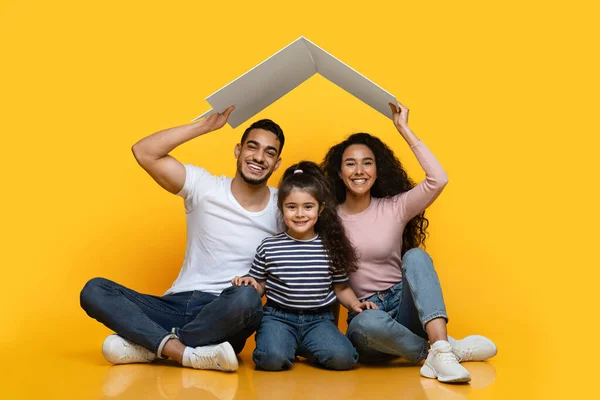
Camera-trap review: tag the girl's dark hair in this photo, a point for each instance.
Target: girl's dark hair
(329, 226)
(391, 180)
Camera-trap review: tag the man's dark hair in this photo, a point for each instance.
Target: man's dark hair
(267, 125)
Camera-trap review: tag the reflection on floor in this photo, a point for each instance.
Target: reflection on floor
(80, 372)
(396, 380)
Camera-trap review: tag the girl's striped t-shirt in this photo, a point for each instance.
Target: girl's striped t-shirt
(298, 273)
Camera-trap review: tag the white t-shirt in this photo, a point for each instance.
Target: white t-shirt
(222, 236)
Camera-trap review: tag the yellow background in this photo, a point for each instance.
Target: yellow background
(504, 93)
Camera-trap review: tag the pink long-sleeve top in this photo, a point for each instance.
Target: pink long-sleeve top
(376, 232)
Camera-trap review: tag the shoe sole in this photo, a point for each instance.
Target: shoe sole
(428, 372)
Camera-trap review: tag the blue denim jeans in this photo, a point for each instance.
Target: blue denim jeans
(199, 318)
(283, 334)
(397, 328)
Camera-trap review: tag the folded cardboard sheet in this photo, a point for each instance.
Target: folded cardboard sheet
(285, 70)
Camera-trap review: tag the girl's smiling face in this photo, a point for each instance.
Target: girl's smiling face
(300, 214)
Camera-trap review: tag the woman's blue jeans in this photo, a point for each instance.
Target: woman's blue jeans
(397, 328)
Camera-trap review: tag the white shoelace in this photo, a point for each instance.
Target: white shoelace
(447, 357)
(465, 354)
(132, 352)
(207, 359)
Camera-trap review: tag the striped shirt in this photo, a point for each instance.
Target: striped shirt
(298, 272)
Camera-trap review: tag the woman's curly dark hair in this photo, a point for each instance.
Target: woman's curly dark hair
(391, 180)
(328, 226)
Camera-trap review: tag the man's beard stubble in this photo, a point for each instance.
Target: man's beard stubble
(251, 181)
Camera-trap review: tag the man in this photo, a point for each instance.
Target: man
(201, 321)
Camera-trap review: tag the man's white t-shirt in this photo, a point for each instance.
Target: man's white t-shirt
(222, 236)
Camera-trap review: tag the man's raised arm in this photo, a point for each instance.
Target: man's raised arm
(152, 152)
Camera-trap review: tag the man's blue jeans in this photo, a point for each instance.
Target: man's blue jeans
(199, 318)
(284, 334)
(397, 328)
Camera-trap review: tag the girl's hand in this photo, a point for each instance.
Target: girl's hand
(245, 280)
(367, 305)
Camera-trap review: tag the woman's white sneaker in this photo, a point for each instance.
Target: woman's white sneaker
(220, 357)
(118, 350)
(473, 348)
(441, 363)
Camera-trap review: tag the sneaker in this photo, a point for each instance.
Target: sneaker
(441, 363)
(473, 348)
(118, 350)
(220, 357)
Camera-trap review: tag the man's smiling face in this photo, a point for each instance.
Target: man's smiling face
(258, 156)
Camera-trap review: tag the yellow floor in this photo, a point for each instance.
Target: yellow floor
(84, 374)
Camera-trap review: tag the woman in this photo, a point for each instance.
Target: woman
(383, 214)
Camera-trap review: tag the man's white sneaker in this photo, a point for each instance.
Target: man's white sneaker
(441, 363)
(118, 350)
(473, 348)
(220, 357)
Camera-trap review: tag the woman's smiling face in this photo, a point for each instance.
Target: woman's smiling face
(359, 170)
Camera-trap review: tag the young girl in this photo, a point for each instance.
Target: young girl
(302, 272)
